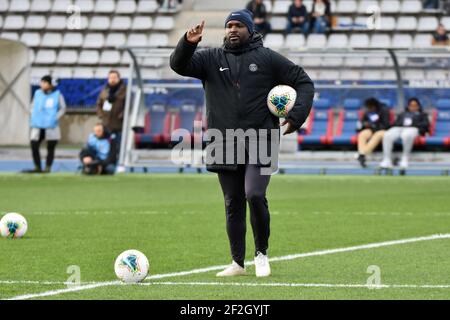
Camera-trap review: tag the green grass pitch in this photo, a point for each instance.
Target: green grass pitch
(178, 221)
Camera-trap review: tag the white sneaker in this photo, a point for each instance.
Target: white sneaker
(262, 266)
(404, 163)
(233, 270)
(386, 163)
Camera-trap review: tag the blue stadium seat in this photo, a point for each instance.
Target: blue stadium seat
(347, 123)
(443, 104)
(157, 125)
(352, 104)
(387, 102)
(158, 98)
(187, 115)
(440, 125)
(320, 124)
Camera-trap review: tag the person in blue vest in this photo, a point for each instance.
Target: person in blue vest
(47, 107)
(99, 156)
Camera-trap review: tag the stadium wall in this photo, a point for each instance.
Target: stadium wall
(14, 93)
(75, 128)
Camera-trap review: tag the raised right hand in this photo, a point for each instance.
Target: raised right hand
(194, 34)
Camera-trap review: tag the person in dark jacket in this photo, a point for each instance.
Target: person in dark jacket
(99, 156)
(408, 125)
(237, 79)
(259, 11)
(373, 125)
(111, 105)
(297, 17)
(320, 20)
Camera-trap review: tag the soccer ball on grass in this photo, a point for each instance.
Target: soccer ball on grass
(131, 266)
(13, 225)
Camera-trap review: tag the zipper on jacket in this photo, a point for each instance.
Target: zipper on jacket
(238, 69)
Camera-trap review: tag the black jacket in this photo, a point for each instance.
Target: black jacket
(237, 82)
(297, 12)
(419, 120)
(382, 123)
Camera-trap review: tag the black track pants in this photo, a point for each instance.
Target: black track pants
(239, 187)
(51, 146)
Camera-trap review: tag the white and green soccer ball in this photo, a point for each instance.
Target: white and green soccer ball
(131, 266)
(280, 100)
(13, 225)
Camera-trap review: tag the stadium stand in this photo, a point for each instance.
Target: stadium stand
(43, 26)
(40, 25)
(157, 125)
(440, 125)
(347, 120)
(186, 115)
(320, 124)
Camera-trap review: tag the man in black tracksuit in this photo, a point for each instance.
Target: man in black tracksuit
(237, 79)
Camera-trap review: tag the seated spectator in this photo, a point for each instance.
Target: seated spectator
(440, 37)
(297, 17)
(99, 156)
(320, 20)
(430, 4)
(258, 9)
(408, 125)
(372, 127)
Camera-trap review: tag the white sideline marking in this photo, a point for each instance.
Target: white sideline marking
(56, 292)
(246, 284)
(48, 283)
(99, 212)
(306, 285)
(195, 212)
(361, 247)
(214, 268)
(31, 282)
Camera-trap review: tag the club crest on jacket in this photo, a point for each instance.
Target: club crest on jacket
(253, 67)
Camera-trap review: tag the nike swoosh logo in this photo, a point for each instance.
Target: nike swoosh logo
(223, 69)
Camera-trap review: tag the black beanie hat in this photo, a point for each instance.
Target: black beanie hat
(244, 16)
